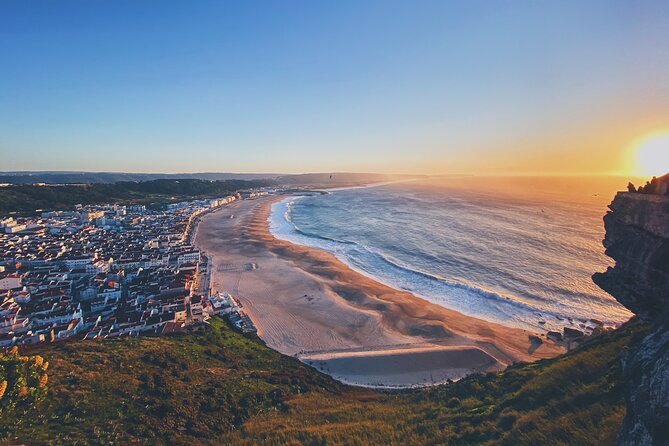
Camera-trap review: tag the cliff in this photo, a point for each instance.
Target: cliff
(637, 238)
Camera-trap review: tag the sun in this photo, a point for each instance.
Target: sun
(651, 154)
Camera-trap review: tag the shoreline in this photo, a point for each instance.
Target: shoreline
(469, 298)
(308, 304)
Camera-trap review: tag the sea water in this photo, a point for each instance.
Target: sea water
(517, 251)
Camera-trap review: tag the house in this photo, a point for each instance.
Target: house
(10, 282)
(70, 329)
(189, 257)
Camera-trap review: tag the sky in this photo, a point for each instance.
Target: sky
(417, 86)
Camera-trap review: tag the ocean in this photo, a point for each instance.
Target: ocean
(519, 251)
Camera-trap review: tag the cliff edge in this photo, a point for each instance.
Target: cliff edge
(637, 238)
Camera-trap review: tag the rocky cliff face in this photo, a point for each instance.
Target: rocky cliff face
(637, 238)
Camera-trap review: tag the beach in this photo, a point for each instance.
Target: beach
(308, 304)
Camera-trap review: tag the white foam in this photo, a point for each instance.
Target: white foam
(465, 298)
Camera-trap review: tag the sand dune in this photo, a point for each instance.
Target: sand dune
(307, 303)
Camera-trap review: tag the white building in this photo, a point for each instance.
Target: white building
(14, 228)
(80, 262)
(189, 257)
(10, 282)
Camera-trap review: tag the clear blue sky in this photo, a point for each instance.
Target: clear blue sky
(293, 86)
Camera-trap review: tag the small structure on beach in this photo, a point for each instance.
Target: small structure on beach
(226, 304)
(222, 304)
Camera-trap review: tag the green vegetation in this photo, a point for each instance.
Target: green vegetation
(219, 387)
(23, 382)
(26, 199)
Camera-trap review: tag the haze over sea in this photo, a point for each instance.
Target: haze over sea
(515, 250)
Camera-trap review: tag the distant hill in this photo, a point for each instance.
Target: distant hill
(25, 177)
(25, 193)
(26, 199)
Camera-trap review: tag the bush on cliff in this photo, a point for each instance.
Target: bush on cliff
(22, 382)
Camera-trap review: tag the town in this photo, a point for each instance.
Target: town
(109, 271)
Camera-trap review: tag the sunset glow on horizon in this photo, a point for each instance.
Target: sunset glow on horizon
(387, 86)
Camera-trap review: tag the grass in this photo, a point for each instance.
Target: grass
(220, 387)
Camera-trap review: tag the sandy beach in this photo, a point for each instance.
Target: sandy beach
(306, 303)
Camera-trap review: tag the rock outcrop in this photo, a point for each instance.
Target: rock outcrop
(637, 238)
(657, 186)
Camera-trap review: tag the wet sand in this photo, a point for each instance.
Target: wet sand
(306, 303)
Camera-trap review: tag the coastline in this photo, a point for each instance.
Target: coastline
(308, 304)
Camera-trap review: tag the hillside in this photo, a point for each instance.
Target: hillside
(25, 198)
(219, 387)
(115, 177)
(28, 198)
(329, 178)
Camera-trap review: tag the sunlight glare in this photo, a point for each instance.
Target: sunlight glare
(652, 155)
